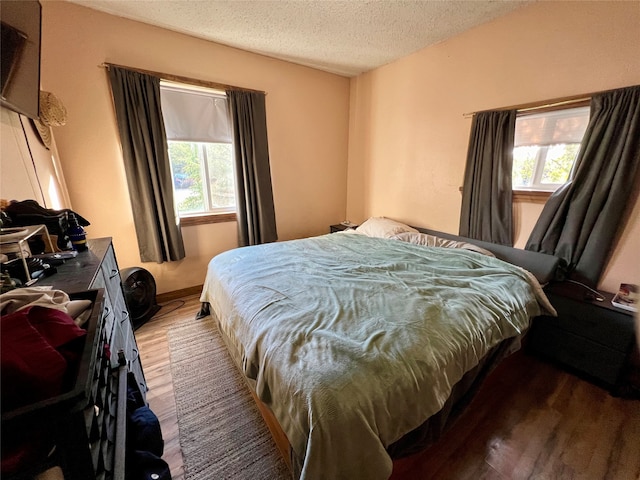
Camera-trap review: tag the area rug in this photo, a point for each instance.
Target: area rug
(222, 433)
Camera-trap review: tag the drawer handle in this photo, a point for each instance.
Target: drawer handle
(114, 272)
(125, 316)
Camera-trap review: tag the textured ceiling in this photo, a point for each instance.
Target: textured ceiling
(346, 37)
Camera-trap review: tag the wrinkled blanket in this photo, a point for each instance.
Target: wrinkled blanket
(354, 341)
(20, 298)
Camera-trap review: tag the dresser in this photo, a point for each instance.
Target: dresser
(590, 337)
(97, 268)
(89, 423)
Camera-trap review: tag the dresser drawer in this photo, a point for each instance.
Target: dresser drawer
(578, 352)
(108, 320)
(111, 274)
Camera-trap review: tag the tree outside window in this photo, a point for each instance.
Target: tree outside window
(191, 162)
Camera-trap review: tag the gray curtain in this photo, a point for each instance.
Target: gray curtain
(136, 98)
(486, 212)
(255, 210)
(581, 219)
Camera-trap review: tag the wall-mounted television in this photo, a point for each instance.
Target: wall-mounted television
(20, 56)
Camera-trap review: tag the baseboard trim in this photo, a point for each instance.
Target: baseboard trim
(183, 292)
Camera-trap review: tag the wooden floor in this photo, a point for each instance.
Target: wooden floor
(529, 421)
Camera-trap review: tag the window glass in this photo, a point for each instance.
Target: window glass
(187, 177)
(221, 177)
(546, 147)
(200, 149)
(558, 163)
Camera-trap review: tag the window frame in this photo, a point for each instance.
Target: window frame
(211, 214)
(538, 171)
(538, 191)
(207, 218)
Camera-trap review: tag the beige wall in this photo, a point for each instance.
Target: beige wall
(408, 137)
(307, 116)
(401, 126)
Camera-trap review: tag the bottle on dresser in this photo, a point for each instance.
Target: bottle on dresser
(76, 234)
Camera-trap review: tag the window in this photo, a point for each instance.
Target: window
(545, 148)
(200, 149)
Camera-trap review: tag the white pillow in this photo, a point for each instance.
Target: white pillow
(433, 241)
(383, 227)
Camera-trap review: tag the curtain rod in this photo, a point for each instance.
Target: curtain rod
(577, 100)
(180, 79)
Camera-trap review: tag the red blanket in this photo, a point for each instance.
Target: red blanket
(38, 348)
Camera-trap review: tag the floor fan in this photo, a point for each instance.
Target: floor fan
(139, 289)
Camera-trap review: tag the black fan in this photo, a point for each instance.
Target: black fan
(139, 294)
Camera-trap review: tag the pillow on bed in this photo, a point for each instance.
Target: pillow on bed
(383, 227)
(433, 241)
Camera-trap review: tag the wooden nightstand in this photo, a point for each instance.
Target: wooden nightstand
(339, 227)
(590, 337)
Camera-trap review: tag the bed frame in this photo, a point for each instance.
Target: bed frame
(544, 267)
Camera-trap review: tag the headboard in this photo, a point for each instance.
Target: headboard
(545, 267)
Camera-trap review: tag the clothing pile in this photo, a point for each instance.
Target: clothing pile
(29, 212)
(40, 348)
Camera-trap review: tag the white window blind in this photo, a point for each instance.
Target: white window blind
(194, 116)
(552, 128)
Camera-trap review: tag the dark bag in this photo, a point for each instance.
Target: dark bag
(29, 212)
(145, 444)
(143, 465)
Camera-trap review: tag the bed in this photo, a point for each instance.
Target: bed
(366, 345)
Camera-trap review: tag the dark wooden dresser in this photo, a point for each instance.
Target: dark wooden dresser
(90, 422)
(590, 337)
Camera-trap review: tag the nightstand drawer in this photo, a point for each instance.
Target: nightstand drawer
(604, 326)
(577, 352)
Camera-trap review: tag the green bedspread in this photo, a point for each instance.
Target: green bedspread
(354, 341)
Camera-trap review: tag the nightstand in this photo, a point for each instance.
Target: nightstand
(339, 227)
(590, 337)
